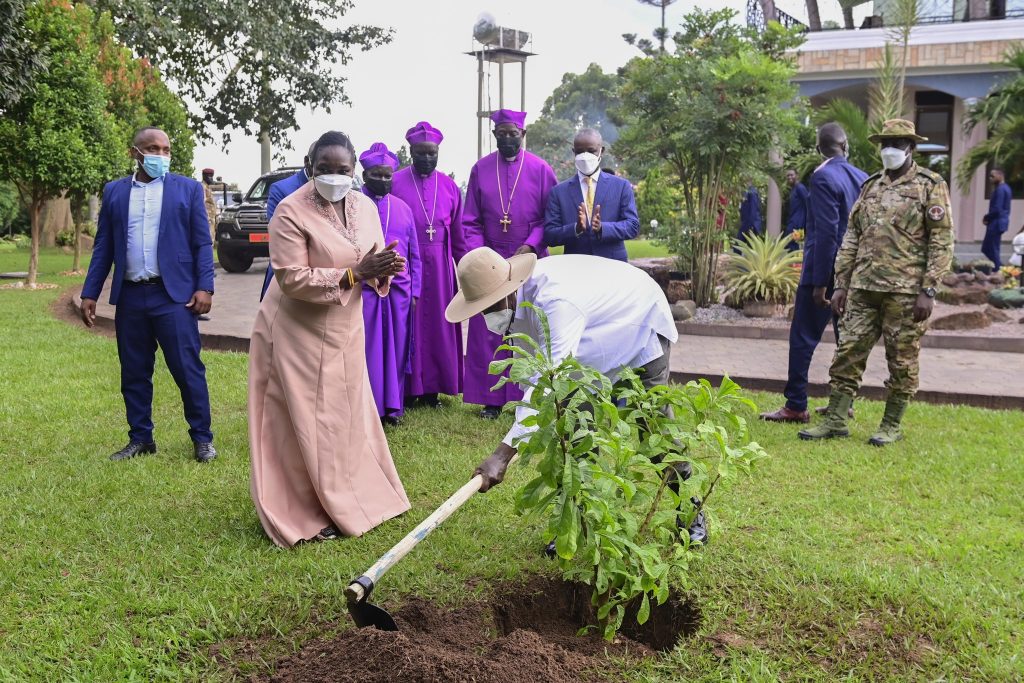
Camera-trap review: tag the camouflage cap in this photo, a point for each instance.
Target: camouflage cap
(897, 128)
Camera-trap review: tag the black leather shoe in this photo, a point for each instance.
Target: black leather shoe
(392, 420)
(132, 449)
(431, 401)
(491, 412)
(205, 452)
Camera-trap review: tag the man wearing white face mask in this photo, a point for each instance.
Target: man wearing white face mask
(898, 245)
(591, 212)
(607, 314)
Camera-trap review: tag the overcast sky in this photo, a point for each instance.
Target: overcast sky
(424, 75)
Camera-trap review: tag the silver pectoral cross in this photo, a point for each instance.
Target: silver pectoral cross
(431, 232)
(505, 222)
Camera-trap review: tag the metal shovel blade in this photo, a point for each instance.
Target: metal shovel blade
(363, 612)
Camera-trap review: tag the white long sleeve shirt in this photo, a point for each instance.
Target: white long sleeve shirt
(606, 313)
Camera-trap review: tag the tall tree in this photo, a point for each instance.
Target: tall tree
(711, 111)
(19, 60)
(813, 15)
(247, 65)
(582, 100)
(59, 137)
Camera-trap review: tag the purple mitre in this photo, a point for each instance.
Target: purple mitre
(423, 132)
(517, 118)
(379, 155)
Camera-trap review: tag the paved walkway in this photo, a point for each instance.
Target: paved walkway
(983, 378)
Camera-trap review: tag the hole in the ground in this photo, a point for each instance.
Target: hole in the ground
(550, 606)
(526, 632)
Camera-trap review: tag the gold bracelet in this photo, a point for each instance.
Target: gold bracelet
(351, 279)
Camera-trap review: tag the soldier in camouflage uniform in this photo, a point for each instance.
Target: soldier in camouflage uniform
(898, 245)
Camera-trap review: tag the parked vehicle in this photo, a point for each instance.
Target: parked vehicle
(242, 227)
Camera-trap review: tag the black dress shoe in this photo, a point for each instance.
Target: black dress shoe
(205, 452)
(134, 448)
(491, 412)
(431, 401)
(392, 420)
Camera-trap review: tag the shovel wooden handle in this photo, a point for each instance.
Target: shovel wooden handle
(355, 591)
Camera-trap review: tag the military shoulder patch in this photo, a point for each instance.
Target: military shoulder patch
(936, 212)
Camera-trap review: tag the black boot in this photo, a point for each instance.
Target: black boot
(134, 448)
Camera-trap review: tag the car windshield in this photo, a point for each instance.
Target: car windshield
(260, 190)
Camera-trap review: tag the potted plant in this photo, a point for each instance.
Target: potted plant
(603, 457)
(763, 275)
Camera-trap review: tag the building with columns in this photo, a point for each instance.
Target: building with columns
(951, 64)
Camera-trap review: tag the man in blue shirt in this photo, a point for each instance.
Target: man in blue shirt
(797, 218)
(153, 230)
(835, 186)
(997, 220)
(278, 191)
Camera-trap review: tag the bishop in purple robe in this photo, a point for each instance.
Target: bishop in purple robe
(436, 204)
(388, 320)
(505, 203)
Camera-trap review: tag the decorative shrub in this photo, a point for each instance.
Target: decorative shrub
(763, 270)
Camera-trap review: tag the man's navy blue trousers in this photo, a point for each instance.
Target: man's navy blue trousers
(809, 323)
(146, 317)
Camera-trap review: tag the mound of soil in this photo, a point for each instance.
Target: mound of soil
(525, 633)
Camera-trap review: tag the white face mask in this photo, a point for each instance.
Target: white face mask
(333, 187)
(587, 163)
(498, 322)
(893, 158)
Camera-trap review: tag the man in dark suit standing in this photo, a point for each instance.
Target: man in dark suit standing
(797, 216)
(835, 186)
(153, 229)
(750, 213)
(591, 212)
(278, 191)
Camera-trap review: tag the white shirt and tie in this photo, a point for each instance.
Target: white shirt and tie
(145, 204)
(604, 312)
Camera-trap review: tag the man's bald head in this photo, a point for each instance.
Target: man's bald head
(588, 140)
(832, 140)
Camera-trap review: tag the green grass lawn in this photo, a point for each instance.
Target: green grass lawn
(835, 561)
(635, 248)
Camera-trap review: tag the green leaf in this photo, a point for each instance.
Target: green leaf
(644, 613)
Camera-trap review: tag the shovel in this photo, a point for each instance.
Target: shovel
(358, 592)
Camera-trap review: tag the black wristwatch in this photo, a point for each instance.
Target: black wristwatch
(929, 292)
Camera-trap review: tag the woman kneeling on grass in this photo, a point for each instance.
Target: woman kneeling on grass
(320, 463)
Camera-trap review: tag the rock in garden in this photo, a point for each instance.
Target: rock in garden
(965, 277)
(963, 320)
(964, 294)
(996, 315)
(950, 279)
(677, 290)
(1007, 298)
(996, 279)
(657, 268)
(684, 310)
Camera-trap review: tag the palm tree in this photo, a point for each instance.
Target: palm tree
(660, 33)
(1002, 113)
(813, 15)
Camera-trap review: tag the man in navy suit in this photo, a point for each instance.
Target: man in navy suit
(835, 186)
(278, 191)
(591, 212)
(750, 213)
(797, 218)
(152, 228)
(997, 220)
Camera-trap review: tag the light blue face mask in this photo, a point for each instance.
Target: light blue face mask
(154, 165)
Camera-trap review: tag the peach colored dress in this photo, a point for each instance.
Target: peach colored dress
(319, 455)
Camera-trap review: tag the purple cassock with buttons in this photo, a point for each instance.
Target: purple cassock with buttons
(436, 205)
(505, 203)
(388, 320)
